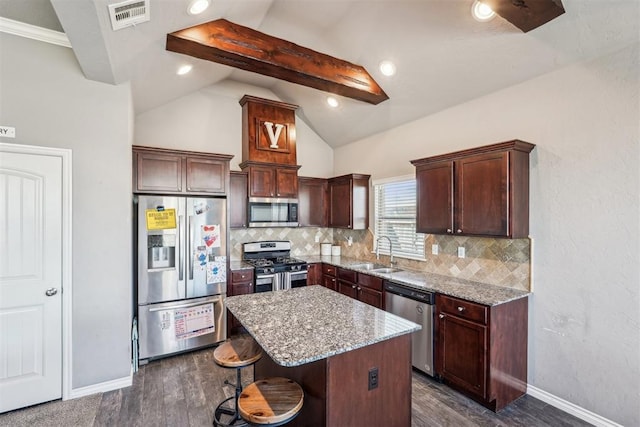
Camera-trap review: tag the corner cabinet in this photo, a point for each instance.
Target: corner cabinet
(349, 202)
(238, 198)
(312, 202)
(478, 192)
(157, 170)
(481, 350)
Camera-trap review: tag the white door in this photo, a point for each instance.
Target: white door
(30, 279)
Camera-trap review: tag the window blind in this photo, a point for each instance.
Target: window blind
(395, 217)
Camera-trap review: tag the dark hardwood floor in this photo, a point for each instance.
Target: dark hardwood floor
(182, 391)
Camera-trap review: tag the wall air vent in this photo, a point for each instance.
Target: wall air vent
(128, 13)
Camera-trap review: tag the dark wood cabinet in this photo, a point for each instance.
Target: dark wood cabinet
(347, 282)
(157, 170)
(481, 350)
(349, 201)
(272, 180)
(238, 198)
(312, 202)
(360, 286)
(314, 274)
(241, 283)
(480, 192)
(329, 280)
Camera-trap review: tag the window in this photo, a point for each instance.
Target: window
(395, 217)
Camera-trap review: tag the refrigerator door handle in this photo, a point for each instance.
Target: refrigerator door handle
(180, 251)
(190, 255)
(176, 307)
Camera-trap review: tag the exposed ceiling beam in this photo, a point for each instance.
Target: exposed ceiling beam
(527, 14)
(241, 47)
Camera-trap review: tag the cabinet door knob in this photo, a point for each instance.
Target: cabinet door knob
(359, 288)
(441, 316)
(461, 309)
(449, 230)
(459, 231)
(353, 286)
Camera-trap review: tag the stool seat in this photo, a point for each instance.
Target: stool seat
(271, 401)
(237, 352)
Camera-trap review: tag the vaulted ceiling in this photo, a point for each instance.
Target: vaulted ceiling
(443, 56)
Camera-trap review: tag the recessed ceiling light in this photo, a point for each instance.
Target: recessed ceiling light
(481, 12)
(333, 102)
(184, 69)
(387, 68)
(197, 6)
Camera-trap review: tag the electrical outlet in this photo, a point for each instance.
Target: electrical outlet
(350, 241)
(373, 378)
(317, 239)
(461, 252)
(434, 249)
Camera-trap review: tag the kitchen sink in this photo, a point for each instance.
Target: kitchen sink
(366, 266)
(385, 270)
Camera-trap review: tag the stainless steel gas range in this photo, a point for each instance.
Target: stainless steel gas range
(275, 270)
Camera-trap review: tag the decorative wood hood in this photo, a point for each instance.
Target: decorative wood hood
(241, 47)
(268, 131)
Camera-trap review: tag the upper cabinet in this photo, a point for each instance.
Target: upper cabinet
(157, 170)
(312, 202)
(267, 180)
(349, 201)
(481, 192)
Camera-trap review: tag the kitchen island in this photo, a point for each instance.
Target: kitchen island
(352, 360)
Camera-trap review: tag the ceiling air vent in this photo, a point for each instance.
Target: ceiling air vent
(128, 13)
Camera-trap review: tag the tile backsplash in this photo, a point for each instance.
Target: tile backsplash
(501, 262)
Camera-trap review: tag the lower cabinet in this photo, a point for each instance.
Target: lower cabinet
(481, 350)
(363, 287)
(241, 283)
(314, 274)
(329, 277)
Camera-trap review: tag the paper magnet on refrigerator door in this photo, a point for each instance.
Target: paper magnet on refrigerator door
(201, 256)
(211, 235)
(216, 272)
(200, 208)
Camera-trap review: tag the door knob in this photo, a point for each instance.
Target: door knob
(51, 292)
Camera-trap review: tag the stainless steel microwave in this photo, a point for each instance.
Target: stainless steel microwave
(272, 212)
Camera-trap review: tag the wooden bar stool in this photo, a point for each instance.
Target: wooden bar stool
(271, 401)
(237, 352)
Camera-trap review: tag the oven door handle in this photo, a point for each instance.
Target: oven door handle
(266, 276)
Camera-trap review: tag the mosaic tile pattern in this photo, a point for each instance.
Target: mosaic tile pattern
(501, 262)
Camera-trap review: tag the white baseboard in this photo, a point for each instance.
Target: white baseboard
(570, 408)
(101, 387)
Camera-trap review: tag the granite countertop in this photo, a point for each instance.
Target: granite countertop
(481, 293)
(236, 265)
(302, 325)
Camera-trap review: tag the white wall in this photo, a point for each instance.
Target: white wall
(44, 95)
(211, 120)
(584, 323)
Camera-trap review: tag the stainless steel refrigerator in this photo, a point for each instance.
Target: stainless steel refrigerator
(181, 273)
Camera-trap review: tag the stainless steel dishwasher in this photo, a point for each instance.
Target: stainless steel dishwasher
(416, 306)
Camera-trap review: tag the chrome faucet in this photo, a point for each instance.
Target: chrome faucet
(390, 249)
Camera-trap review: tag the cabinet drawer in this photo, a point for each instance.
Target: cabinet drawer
(241, 276)
(348, 275)
(464, 309)
(372, 282)
(328, 269)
